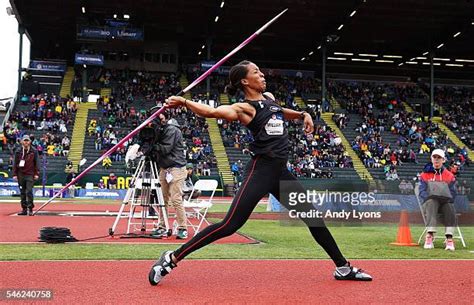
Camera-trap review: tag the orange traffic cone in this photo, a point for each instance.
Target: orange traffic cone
(404, 234)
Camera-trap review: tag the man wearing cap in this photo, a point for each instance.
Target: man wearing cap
(112, 182)
(26, 171)
(172, 163)
(438, 197)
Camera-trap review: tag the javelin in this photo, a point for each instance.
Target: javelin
(157, 113)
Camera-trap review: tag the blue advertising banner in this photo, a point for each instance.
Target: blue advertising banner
(109, 33)
(222, 70)
(94, 32)
(102, 193)
(47, 65)
(89, 59)
(205, 65)
(130, 34)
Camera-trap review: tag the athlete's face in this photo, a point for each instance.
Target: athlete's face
(255, 79)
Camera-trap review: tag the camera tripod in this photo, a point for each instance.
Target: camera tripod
(145, 198)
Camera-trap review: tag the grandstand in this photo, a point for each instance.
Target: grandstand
(373, 105)
(385, 83)
(359, 100)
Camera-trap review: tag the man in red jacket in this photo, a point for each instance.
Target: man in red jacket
(436, 172)
(26, 171)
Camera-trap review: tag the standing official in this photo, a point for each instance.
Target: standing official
(173, 172)
(26, 171)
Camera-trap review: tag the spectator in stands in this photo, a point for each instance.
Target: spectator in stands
(405, 187)
(3, 141)
(101, 184)
(206, 169)
(106, 163)
(392, 175)
(112, 182)
(437, 192)
(98, 142)
(42, 125)
(424, 148)
(464, 188)
(235, 169)
(65, 142)
(50, 149)
(412, 156)
(454, 168)
(62, 126)
(70, 171)
(24, 99)
(341, 120)
(26, 171)
(92, 127)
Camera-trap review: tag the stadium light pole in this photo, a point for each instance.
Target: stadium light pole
(208, 80)
(431, 85)
(323, 76)
(21, 31)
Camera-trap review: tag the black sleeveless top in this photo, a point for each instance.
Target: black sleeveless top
(268, 129)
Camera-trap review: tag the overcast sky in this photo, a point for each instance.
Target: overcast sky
(9, 39)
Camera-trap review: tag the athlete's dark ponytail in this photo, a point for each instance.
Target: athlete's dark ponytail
(236, 74)
(230, 89)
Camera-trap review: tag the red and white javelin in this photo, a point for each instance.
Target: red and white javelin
(157, 113)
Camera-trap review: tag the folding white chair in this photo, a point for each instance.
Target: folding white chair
(420, 204)
(199, 207)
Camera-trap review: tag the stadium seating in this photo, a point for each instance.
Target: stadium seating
(24, 113)
(363, 101)
(457, 105)
(137, 96)
(360, 101)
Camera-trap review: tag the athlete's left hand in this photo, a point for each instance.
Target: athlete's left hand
(308, 123)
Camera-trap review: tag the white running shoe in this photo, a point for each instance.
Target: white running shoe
(429, 242)
(449, 244)
(350, 273)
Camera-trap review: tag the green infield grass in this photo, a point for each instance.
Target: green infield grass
(276, 241)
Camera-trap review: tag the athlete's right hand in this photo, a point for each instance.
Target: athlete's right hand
(174, 101)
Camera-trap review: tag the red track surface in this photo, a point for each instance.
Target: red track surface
(26, 228)
(230, 281)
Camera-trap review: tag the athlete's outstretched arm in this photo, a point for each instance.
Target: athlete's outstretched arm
(227, 112)
(291, 114)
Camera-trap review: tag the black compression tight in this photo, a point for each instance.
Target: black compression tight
(262, 176)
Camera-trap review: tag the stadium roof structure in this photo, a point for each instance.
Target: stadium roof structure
(385, 33)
